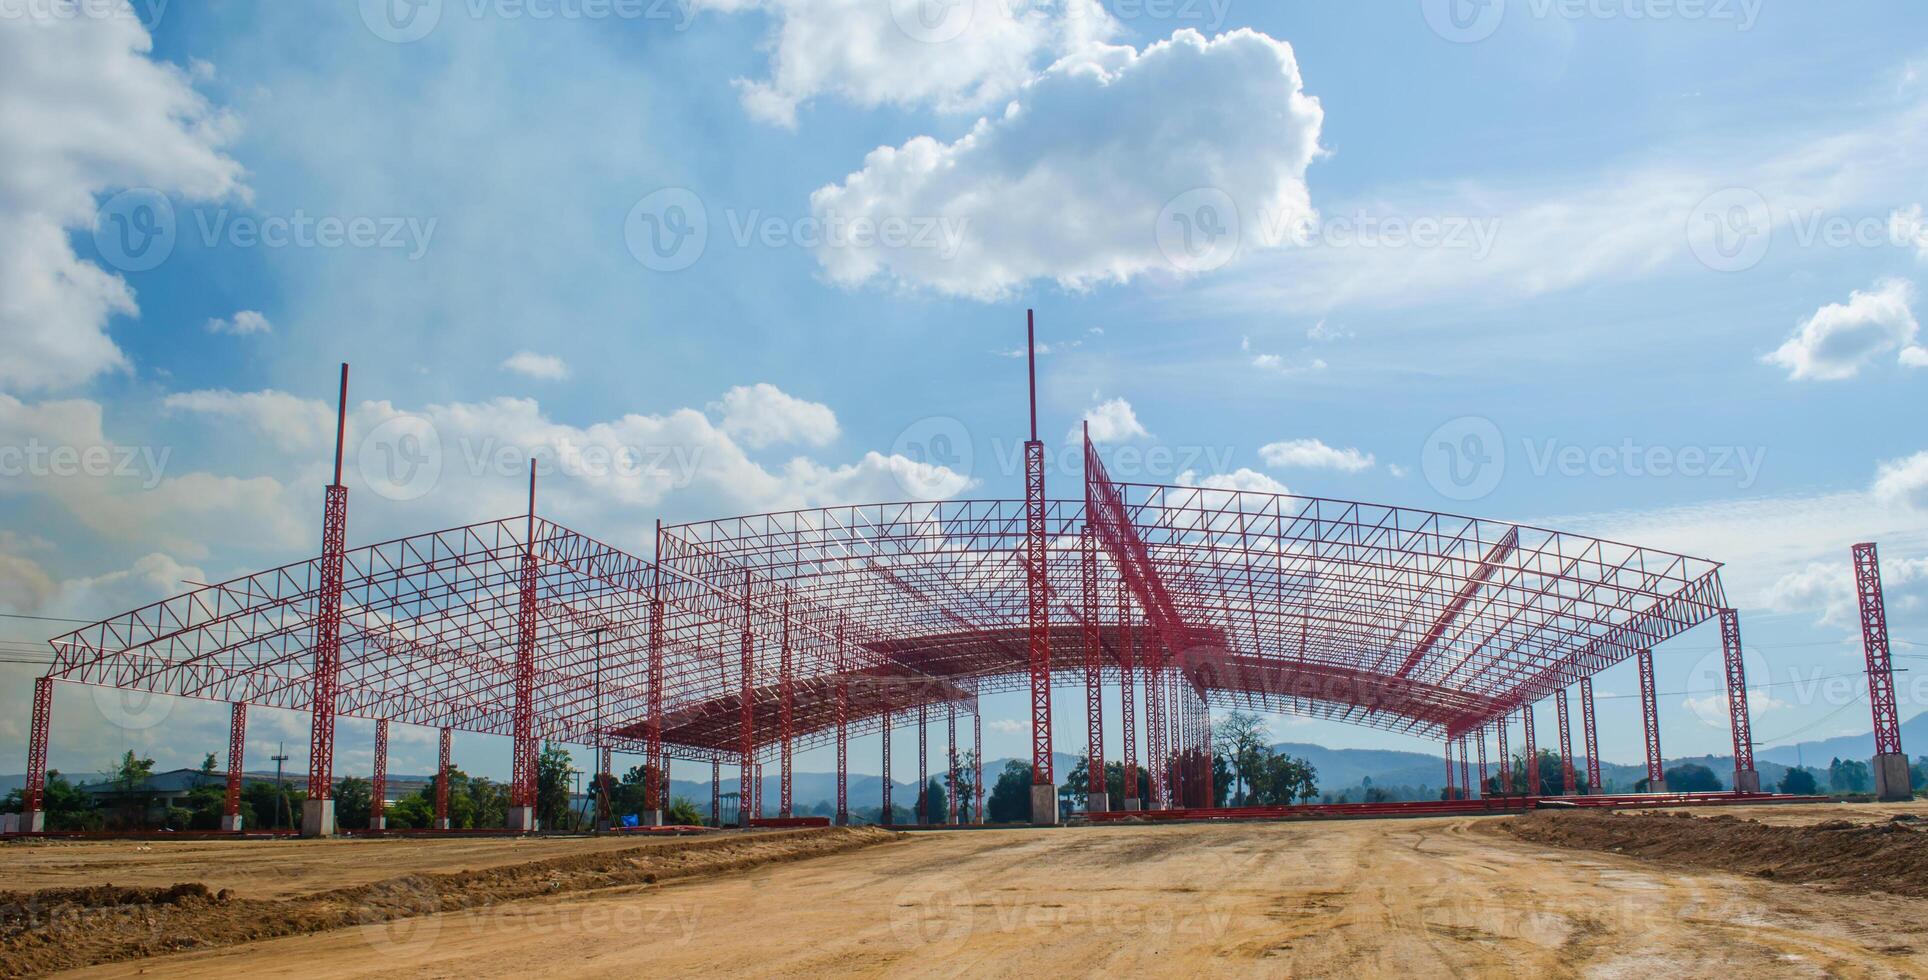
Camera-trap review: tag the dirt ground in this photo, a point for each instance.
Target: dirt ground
(1433, 897)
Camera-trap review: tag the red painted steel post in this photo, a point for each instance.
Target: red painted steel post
(843, 722)
(653, 722)
(756, 792)
(33, 799)
(977, 760)
(442, 780)
(327, 643)
(1650, 724)
(1127, 723)
(1466, 772)
(1154, 737)
(1211, 771)
(1448, 750)
(1044, 803)
(716, 792)
(1892, 778)
(884, 815)
(785, 711)
(1097, 797)
(237, 756)
(378, 779)
(950, 770)
(1746, 778)
(746, 737)
(1506, 759)
(1569, 780)
(522, 787)
(1533, 785)
(1482, 763)
(1592, 733)
(923, 765)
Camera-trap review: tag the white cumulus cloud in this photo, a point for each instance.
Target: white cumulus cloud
(85, 112)
(762, 415)
(1241, 479)
(1110, 421)
(1044, 192)
(241, 324)
(1904, 481)
(1314, 454)
(1841, 338)
(542, 367)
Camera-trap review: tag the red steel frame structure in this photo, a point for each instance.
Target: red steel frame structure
(1591, 730)
(1874, 642)
(1400, 619)
(1650, 721)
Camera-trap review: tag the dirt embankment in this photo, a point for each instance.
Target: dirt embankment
(64, 928)
(1888, 856)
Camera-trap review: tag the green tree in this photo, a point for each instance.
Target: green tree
(1010, 799)
(1799, 782)
(1691, 777)
(1282, 780)
(1240, 737)
(130, 781)
(354, 803)
(552, 787)
(1850, 776)
(66, 807)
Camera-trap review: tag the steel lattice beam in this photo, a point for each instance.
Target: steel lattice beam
(1874, 643)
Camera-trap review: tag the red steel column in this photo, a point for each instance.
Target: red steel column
(884, 815)
(442, 782)
(923, 765)
(1154, 738)
(977, 759)
(1465, 771)
(746, 741)
(378, 779)
(1746, 778)
(653, 723)
(1127, 723)
(1506, 759)
(716, 792)
(785, 712)
(522, 787)
(1044, 802)
(33, 799)
(1447, 748)
(1569, 780)
(1482, 762)
(1097, 798)
(950, 770)
(327, 677)
(1533, 786)
(237, 752)
(843, 723)
(1650, 724)
(1205, 747)
(1592, 733)
(1891, 770)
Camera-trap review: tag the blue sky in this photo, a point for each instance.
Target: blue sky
(1657, 228)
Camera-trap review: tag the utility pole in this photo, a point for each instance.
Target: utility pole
(280, 794)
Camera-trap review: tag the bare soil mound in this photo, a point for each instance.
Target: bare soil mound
(1888, 856)
(65, 928)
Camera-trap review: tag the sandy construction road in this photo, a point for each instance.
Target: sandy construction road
(1414, 897)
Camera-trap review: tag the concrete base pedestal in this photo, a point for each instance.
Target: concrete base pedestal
(440, 823)
(231, 824)
(1097, 802)
(1044, 805)
(1131, 803)
(318, 818)
(377, 823)
(34, 822)
(651, 818)
(602, 826)
(522, 820)
(1656, 786)
(1747, 781)
(1891, 778)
